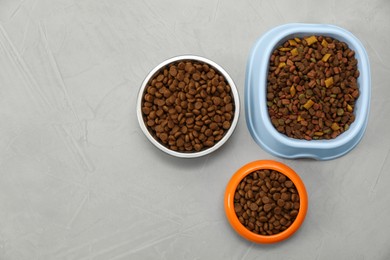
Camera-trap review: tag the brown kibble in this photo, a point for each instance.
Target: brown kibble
(294, 213)
(183, 108)
(254, 206)
(160, 77)
(282, 178)
(285, 196)
(180, 142)
(196, 76)
(208, 132)
(237, 207)
(159, 102)
(265, 200)
(198, 147)
(213, 126)
(189, 67)
(146, 110)
(163, 137)
(173, 71)
(288, 205)
(227, 99)
(262, 219)
(217, 101)
(276, 196)
(250, 193)
(255, 188)
(210, 74)
(226, 125)
(229, 107)
(215, 81)
(280, 202)
(198, 105)
(267, 207)
(277, 210)
(288, 184)
(208, 143)
(149, 98)
(251, 226)
(305, 80)
(150, 123)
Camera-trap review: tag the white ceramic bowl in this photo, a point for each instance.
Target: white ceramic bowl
(257, 118)
(217, 144)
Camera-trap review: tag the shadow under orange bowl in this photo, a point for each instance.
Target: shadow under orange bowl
(229, 201)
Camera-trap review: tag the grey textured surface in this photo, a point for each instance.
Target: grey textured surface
(78, 180)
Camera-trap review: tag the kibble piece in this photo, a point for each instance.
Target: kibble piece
(208, 143)
(265, 200)
(267, 207)
(294, 213)
(280, 202)
(198, 147)
(282, 178)
(250, 193)
(276, 196)
(277, 210)
(237, 207)
(251, 226)
(163, 137)
(263, 219)
(226, 125)
(213, 126)
(288, 205)
(198, 105)
(254, 206)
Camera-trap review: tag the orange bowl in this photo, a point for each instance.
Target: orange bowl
(231, 189)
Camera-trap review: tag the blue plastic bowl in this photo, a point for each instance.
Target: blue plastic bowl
(256, 112)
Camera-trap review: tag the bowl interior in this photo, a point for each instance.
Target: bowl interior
(359, 114)
(257, 117)
(227, 134)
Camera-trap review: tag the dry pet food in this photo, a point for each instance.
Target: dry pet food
(188, 106)
(312, 87)
(266, 202)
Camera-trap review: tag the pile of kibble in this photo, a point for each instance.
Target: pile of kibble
(188, 106)
(312, 87)
(266, 202)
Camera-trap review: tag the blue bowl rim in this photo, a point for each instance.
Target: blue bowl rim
(263, 48)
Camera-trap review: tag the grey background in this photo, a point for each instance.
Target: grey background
(79, 180)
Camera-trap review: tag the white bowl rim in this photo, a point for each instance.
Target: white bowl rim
(218, 144)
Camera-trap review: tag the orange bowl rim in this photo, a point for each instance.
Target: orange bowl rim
(229, 201)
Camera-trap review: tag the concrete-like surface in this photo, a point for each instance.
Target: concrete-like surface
(79, 180)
